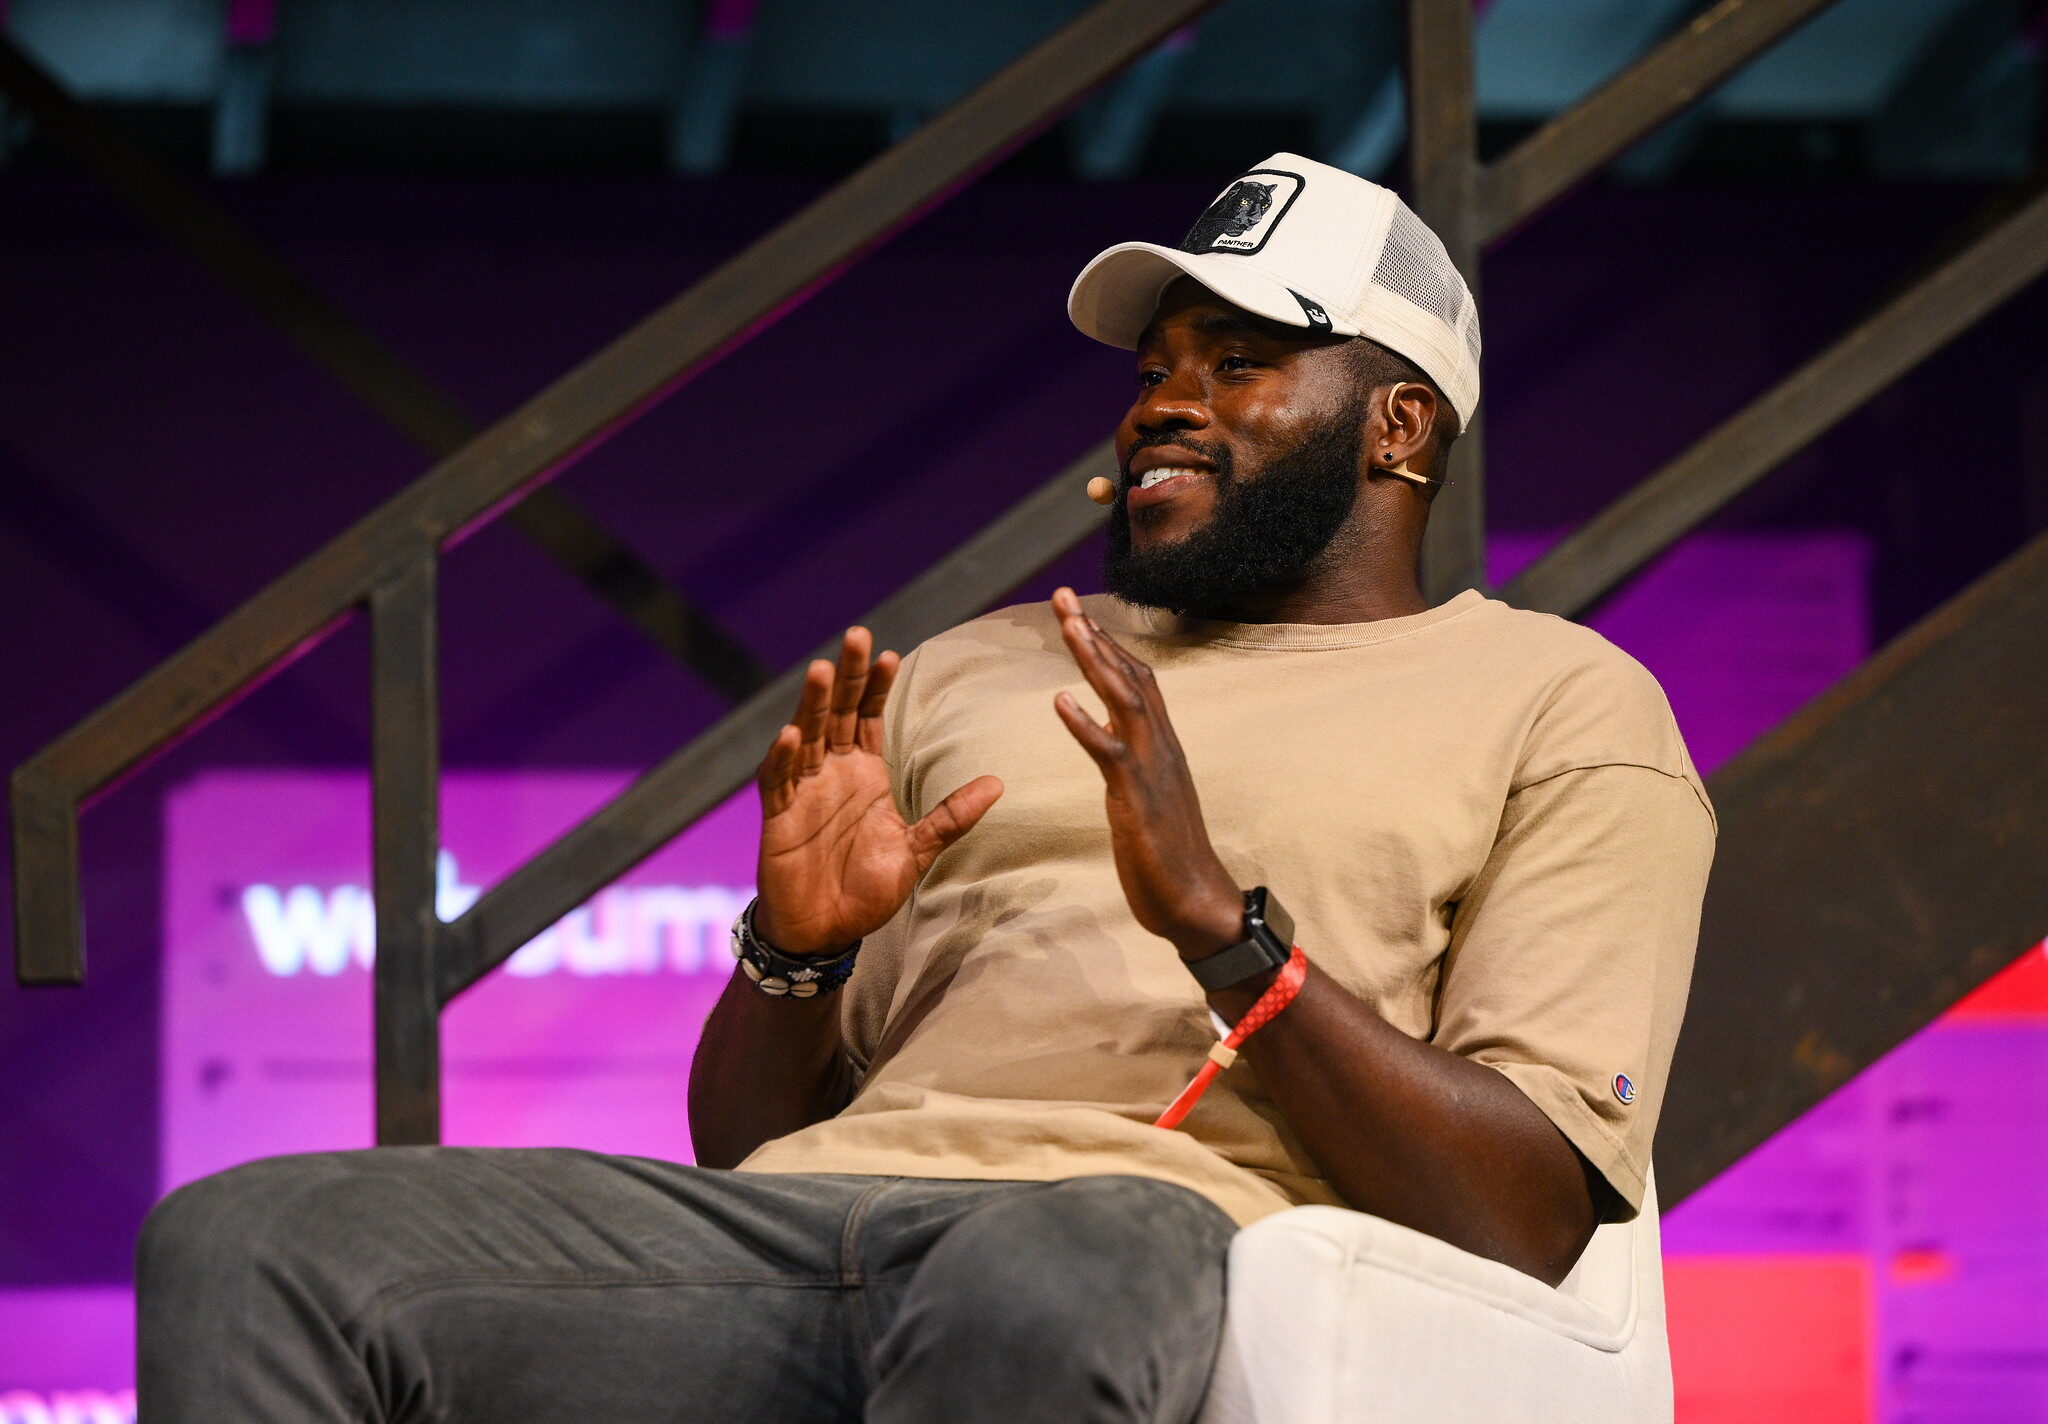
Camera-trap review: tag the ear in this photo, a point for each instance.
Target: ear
(1404, 416)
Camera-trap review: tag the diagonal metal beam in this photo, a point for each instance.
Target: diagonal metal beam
(390, 386)
(1592, 560)
(660, 805)
(1667, 79)
(1880, 856)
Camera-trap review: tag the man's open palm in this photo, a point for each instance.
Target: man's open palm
(836, 859)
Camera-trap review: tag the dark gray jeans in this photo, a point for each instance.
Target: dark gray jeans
(481, 1286)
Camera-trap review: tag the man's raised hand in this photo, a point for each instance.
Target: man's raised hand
(836, 859)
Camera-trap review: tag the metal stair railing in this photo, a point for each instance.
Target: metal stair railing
(1838, 848)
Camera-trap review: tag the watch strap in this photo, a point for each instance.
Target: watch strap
(1233, 965)
(1267, 944)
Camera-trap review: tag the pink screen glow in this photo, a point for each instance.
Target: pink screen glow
(583, 1039)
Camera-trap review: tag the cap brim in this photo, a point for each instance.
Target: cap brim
(1114, 298)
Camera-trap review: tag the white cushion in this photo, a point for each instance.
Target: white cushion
(1336, 1317)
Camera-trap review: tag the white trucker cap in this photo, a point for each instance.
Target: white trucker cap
(1311, 246)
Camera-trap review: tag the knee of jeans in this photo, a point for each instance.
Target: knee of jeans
(1052, 1267)
(1120, 1218)
(188, 1224)
(227, 1213)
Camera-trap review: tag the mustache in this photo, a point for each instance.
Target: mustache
(1217, 455)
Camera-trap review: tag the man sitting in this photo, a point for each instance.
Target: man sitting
(1446, 861)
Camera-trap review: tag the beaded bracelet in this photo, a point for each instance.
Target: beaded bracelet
(775, 973)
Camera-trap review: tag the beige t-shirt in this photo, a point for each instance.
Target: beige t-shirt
(1483, 821)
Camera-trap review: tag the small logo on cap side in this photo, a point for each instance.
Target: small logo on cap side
(1242, 219)
(1623, 1088)
(1317, 317)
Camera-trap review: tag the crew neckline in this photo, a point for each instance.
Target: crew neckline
(1211, 632)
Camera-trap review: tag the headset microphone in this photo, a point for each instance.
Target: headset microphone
(1102, 490)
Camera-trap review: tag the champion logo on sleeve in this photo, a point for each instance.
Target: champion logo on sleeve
(1624, 1088)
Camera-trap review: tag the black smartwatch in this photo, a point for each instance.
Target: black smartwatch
(1268, 943)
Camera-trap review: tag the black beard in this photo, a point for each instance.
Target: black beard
(1265, 537)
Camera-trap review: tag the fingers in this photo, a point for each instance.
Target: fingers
(953, 818)
(778, 769)
(1122, 682)
(840, 706)
(1084, 642)
(837, 702)
(1097, 740)
(1149, 716)
(813, 707)
(847, 688)
(1106, 647)
(882, 677)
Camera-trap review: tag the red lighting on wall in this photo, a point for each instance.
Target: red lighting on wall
(2019, 991)
(1771, 1339)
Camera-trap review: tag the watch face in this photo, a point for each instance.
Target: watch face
(1264, 910)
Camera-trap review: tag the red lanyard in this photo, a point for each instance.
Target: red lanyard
(1277, 997)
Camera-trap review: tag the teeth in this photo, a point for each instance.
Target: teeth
(1153, 477)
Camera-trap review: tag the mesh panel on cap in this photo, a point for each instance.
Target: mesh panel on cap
(1413, 264)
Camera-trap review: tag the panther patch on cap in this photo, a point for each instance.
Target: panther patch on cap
(1244, 217)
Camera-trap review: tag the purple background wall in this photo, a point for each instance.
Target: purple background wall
(162, 455)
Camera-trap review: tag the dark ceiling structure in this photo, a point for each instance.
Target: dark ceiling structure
(1945, 90)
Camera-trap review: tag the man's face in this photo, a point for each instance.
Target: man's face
(1240, 456)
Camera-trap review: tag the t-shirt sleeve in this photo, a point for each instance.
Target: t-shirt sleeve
(1571, 953)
